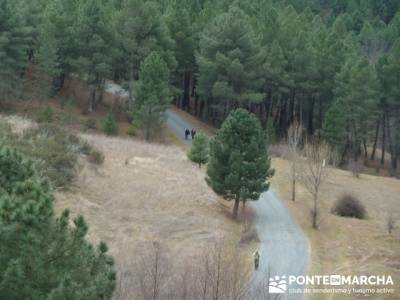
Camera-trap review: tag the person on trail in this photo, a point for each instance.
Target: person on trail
(187, 132)
(193, 133)
(257, 256)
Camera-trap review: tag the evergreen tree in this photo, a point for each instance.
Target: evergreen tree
(239, 166)
(110, 124)
(42, 256)
(230, 62)
(334, 129)
(15, 41)
(357, 85)
(95, 55)
(151, 94)
(389, 77)
(182, 32)
(141, 30)
(48, 60)
(199, 152)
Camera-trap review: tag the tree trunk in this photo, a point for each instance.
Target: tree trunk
(148, 125)
(283, 117)
(375, 139)
(293, 189)
(310, 127)
(291, 108)
(393, 159)
(92, 98)
(365, 148)
(383, 139)
(236, 208)
(186, 91)
(315, 211)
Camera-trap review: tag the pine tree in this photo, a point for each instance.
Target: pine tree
(110, 125)
(239, 166)
(48, 60)
(182, 32)
(334, 128)
(230, 62)
(142, 29)
(389, 77)
(152, 94)
(357, 85)
(15, 41)
(95, 55)
(44, 257)
(199, 152)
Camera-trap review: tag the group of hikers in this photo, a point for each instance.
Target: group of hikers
(188, 132)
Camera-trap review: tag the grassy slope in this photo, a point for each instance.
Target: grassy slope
(343, 245)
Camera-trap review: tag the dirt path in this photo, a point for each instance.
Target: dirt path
(283, 245)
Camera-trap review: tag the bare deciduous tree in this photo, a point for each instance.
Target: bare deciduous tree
(152, 272)
(294, 135)
(314, 172)
(218, 272)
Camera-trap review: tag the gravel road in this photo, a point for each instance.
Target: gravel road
(284, 248)
(283, 245)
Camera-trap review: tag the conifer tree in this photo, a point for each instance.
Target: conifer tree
(152, 94)
(199, 152)
(15, 41)
(230, 62)
(239, 166)
(44, 257)
(95, 55)
(334, 129)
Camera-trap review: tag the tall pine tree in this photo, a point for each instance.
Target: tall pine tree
(152, 94)
(44, 257)
(239, 166)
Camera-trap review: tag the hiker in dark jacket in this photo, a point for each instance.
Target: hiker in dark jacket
(187, 132)
(193, 133)
(256, 259)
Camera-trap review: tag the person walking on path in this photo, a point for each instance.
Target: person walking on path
(193, 133)
(187, 132)
(257, 257)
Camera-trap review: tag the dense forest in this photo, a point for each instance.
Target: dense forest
(334, 66)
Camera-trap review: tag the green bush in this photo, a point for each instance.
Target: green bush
(96, 157)
(45, 116)
(110, 125)
(200, 150)
(54, 152)
(131, 130)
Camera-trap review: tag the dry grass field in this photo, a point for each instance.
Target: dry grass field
(144, 193)
(346, 245)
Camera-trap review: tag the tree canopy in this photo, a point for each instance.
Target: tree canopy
(42, 255)
(239, 166)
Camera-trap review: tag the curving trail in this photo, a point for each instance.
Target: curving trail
(284, 247)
